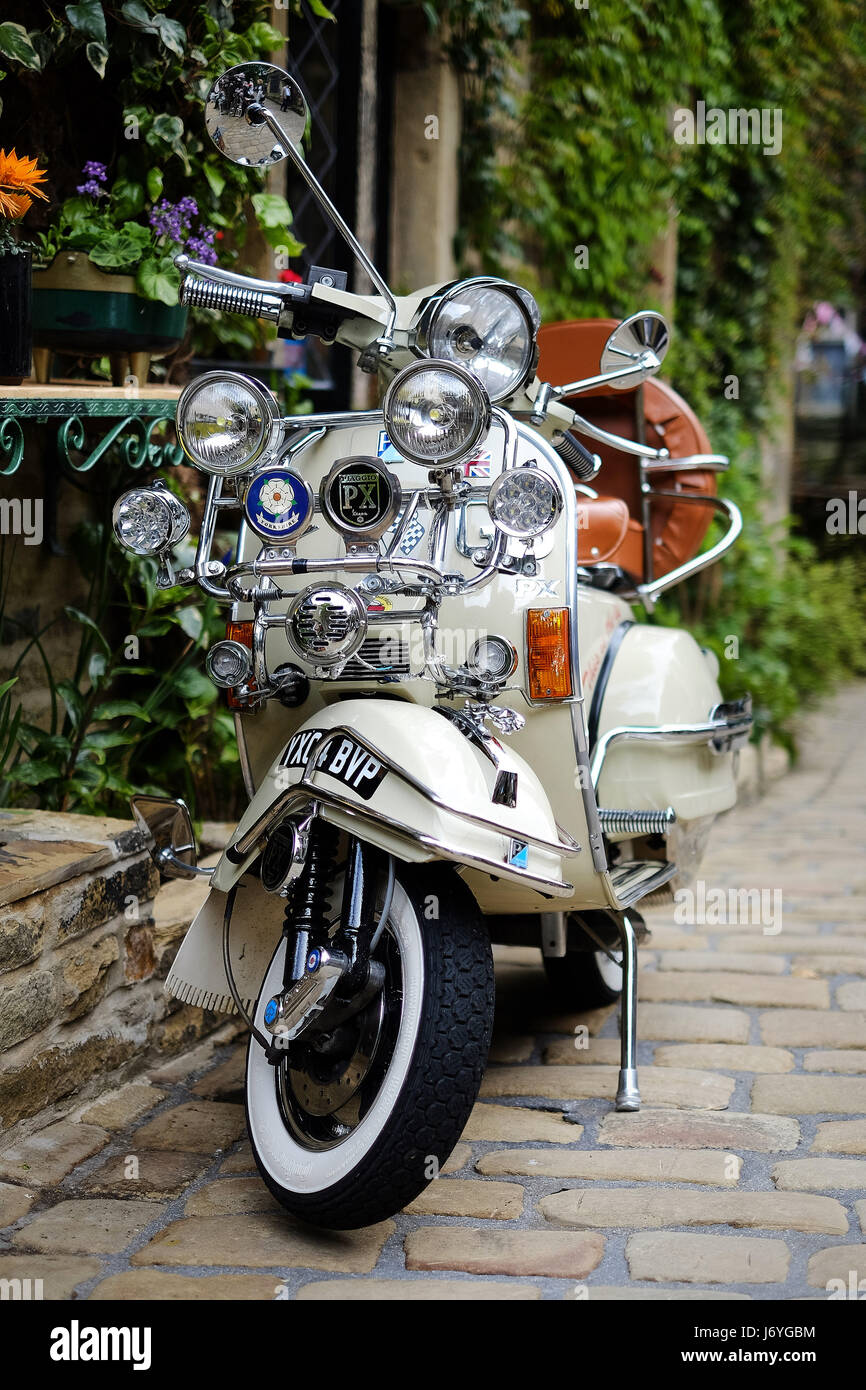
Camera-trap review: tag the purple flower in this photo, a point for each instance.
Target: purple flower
(165, 220)
(187, 209)
(96, 171)
(201, 247)
(91, 188)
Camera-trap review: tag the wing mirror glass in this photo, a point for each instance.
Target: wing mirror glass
(637, 346)
(235, 119)
(166, 826)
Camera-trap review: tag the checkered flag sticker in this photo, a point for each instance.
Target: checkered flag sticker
(414, 533)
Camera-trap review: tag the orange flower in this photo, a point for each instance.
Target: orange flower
(14, 205)
(19, 177)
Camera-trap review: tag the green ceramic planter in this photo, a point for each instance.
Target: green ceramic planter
(79, 308)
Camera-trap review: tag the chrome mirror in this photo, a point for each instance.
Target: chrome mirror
(635, 350)
(168, 834)
(236, 119)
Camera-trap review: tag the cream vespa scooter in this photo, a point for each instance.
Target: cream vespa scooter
(408, 626)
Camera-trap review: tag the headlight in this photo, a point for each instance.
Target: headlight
(492, 658)
(524, 502)
(228, 664)
(436, 413)
(489, 327)
(326, 623)
(149, 520)
(227, 422)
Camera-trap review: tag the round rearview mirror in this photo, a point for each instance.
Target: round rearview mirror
(631, 341)
(234, 113)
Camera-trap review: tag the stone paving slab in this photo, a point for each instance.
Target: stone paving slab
(743, 1176)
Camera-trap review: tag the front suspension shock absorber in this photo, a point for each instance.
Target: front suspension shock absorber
(308, 907)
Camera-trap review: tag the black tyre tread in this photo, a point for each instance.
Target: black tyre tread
(446, 1070)
(575, 981)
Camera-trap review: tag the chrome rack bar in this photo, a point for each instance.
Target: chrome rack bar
(648, 593)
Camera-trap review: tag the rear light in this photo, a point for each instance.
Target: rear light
(239, 632)
(548, 653)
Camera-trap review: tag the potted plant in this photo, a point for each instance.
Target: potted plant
(109, 284)
(19, 180)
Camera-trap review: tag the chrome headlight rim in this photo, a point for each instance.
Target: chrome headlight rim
(493, 639)
(534, 475)
(177, 518)
(273, 432)
(434, 307)
(483, 410)
(358, 624)
(237, 649)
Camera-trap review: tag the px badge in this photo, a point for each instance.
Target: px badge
(361, 497)
(279, 505)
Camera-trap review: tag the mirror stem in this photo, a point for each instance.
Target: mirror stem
(646, 362)
(386, 341)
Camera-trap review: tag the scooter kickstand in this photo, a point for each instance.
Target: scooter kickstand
(628, 1093)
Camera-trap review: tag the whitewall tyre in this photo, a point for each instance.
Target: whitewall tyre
(352, 1125)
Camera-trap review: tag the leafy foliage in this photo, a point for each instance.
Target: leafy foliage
(125, 83)
(137, 713)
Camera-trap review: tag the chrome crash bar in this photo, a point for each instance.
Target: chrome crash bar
(727, 728)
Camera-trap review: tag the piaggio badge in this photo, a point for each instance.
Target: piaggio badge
(361, 497)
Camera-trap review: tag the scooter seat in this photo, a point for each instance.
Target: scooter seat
(654, 413)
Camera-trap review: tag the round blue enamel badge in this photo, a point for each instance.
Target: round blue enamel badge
(279, 505)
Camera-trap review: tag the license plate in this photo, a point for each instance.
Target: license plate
(350, 762)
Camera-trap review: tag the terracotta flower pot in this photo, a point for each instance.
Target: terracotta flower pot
(78, 308)
(16, 338)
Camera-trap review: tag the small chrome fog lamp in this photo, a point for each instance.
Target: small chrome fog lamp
(227, 423)
(525, 502)
(228, 664)
(149, 520)
(492, 658)
(284, 857)
(436, 413)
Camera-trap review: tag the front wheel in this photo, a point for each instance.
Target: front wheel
(352, 1124)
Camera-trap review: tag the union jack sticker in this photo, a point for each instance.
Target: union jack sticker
(479, 467)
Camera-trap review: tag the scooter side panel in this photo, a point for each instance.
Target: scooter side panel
(661, 676)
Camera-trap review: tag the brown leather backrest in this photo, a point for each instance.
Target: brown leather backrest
(572, 350)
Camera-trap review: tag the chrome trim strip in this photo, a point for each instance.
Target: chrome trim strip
(244, 756)
(299, 795)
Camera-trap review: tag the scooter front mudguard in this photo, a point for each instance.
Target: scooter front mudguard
(403, 778)
(409, 780)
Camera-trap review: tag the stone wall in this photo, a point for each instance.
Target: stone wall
(84, 951)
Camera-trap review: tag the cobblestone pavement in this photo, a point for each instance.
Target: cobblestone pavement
(744, 1176)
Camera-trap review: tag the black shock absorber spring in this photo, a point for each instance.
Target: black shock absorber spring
(307, 910)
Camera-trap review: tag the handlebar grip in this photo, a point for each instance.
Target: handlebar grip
(233, 299)
(577, 456)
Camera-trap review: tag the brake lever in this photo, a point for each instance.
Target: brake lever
(616, 441)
